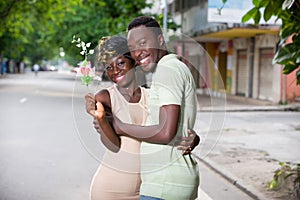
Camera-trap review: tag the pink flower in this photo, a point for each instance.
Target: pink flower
(85, 70)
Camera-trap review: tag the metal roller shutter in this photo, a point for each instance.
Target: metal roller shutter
(242, 75)
(265, 73)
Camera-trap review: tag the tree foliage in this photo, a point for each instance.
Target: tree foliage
(288, 11)
(27, 27)
(37, 30)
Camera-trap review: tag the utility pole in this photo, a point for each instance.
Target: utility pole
(165, 22)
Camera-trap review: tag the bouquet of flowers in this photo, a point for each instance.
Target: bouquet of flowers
(85, 65)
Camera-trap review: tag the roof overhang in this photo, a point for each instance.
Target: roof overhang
(236, 33)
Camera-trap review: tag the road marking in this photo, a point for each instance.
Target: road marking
(23, 100)
(202, 195)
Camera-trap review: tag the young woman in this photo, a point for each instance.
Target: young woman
(118, 176)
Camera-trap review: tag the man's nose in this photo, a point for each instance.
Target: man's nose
(136, 52)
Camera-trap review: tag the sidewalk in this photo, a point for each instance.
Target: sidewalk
(248, 169)
(231, 103)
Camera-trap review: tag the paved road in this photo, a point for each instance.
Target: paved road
(48, 148)
(41, 154)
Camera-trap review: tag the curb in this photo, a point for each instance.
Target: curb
(247, 189)
(251, 108)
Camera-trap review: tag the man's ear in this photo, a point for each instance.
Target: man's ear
(161, 40)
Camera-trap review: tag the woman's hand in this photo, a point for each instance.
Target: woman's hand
(187, 144)
(90, 104)
(100, 112)
(93, 108)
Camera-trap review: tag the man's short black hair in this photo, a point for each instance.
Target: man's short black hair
(146, 21)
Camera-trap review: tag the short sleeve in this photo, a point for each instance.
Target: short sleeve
(169, 85)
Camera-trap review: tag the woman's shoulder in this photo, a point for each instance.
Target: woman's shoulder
(103, 97)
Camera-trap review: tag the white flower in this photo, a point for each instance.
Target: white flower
(84, 46)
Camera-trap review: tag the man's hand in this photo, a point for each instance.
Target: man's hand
(97, 126)
(116, 123)
(187, 144)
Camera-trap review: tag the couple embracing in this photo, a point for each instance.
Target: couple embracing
(147, 132)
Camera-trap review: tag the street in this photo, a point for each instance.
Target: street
(40, 151)
(49, 149)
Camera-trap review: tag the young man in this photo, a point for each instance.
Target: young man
(166, 173)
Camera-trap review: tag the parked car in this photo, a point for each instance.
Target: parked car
(75, 70)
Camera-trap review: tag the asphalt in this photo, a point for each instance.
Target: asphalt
(216, 102)
(231, 103)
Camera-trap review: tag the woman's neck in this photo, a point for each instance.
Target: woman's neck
(131, 92)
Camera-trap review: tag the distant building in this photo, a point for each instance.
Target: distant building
(241, 54)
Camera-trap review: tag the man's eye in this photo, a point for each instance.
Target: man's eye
(142, 43)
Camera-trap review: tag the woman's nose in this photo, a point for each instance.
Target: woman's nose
(116, 69)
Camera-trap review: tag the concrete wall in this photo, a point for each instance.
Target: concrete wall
(266, 41)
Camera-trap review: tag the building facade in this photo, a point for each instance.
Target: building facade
(238, 57)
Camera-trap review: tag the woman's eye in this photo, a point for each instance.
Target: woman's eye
(121, 64)
(108, 68)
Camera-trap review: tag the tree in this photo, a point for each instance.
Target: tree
(37, 30)
(27, 27)
(288, 11)
(95, 19)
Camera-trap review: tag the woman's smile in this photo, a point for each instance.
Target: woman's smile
(118, 78)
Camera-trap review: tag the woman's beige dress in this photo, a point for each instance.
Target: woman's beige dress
(118, 176)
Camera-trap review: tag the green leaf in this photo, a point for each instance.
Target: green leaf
(285, 54)
(287, 29)
(298, 78)
(86, 80)
(296, 39)
(256, 3)
(250, 14)
(257, 17)
(268, 12)
(281, 163)
(287, 4)
(273, 185)
(278, 173)
(264, 3)
(289, 67)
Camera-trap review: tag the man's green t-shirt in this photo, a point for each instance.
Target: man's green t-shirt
(165, 172)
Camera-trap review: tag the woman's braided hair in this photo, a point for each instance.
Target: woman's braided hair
(112, 46)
